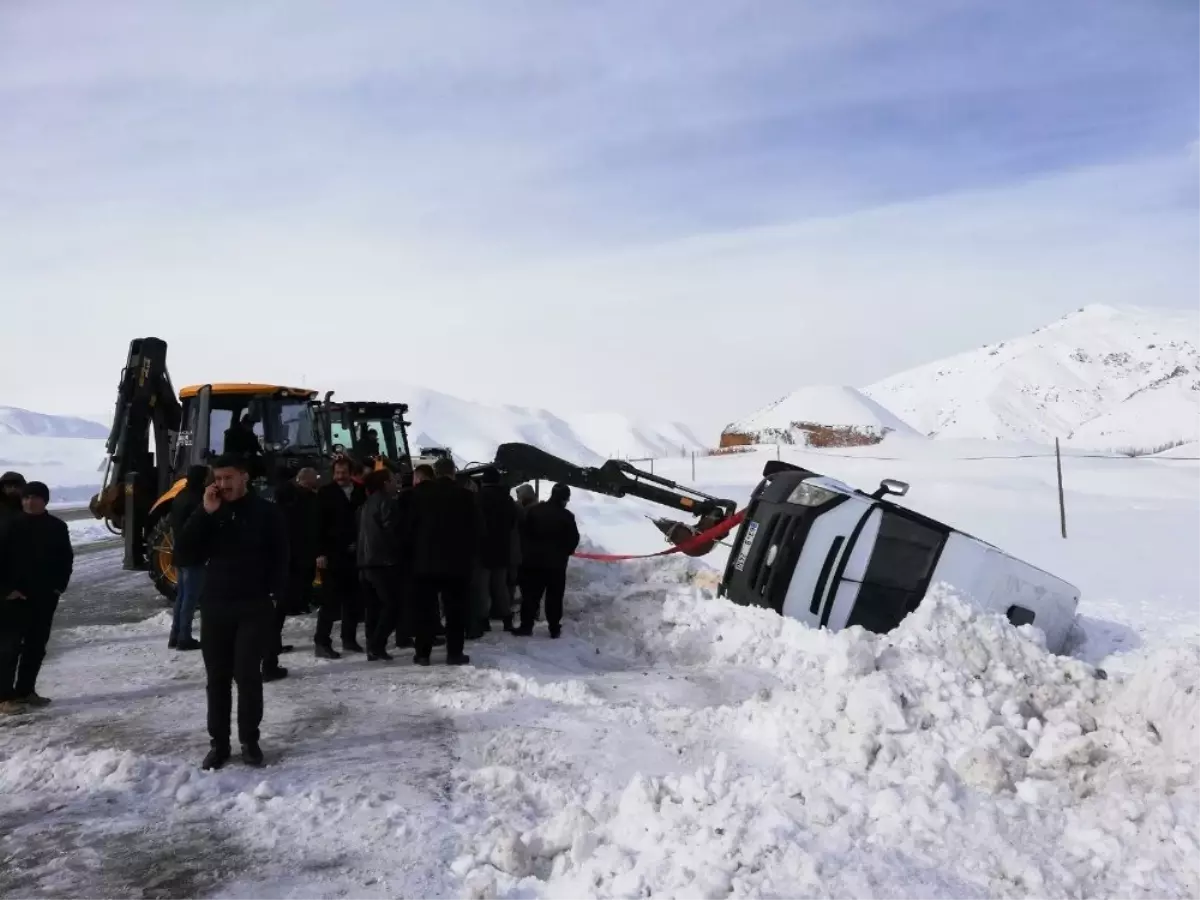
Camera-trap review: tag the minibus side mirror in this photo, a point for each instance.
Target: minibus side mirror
(890, 486)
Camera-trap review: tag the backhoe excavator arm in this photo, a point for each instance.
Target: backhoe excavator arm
(146, 405)
(519, 463)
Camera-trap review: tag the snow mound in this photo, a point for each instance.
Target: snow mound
(952, 757)
(819, 416)
(1085, 368)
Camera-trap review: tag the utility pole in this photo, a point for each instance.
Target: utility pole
(1062, 506)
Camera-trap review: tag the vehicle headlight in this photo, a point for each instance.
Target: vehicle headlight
(805, 494)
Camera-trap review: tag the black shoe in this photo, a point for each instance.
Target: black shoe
(33, 699)
(274, 673)
(420, 660)
(458, 659)
(555, 631)
(439, 640)
(379, 655)
(474, 635)
(324, 651)
(352, 647)
(172, 643)
(404, 644)
(523, 631)
(487, 625)
(286, 648)
(252, 754)
(508, 624)
(188, 644)
(216, 758)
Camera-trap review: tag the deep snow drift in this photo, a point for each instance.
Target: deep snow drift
(670, 745)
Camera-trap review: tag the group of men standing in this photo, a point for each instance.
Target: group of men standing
(431, 564)
(36, 561)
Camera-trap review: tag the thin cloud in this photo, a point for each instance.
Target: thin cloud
(570, 205)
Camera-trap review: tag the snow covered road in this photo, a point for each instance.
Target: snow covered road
(669, 745)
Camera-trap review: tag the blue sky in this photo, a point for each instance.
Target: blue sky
(494, 196)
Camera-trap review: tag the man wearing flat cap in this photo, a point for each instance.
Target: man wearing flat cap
(36, 561)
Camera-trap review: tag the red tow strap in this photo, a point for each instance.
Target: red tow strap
(717, 532)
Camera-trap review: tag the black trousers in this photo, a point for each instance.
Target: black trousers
(233, 645)
(454, 591)
(537, 582)
(385, 606)
(406, 609)
(275, 640)
(340, 598)
(300, 590)
(24, 633)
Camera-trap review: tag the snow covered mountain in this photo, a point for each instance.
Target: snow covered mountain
(818, 416)
(1101, 377)
(16, 421)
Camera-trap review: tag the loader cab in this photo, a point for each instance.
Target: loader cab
(273, 423)
(368, 431)
(815, 549)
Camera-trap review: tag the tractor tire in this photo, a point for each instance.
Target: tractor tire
(160, 545)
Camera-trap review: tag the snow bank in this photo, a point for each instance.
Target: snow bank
(951, 757)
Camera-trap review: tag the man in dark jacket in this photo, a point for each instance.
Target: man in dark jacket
(297, 500)
(190, 579)
(338, 502)
(500, 521)
(526, 500)
(380, 563)
(241, 440)
(35, 568)
(446, 526)
(241, 539)
(11, 485)
(551, 538)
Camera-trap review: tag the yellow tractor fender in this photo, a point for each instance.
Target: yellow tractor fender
(170, 495)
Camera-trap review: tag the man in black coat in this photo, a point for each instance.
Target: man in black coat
(36, 561)
(445, 528)
(241, 539)
(337, 539)
(297, 500)
(500, 521)
(551, 538)
(381, 564)
(11, 485)
(189, 580)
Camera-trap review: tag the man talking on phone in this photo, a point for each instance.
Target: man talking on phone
(241, 540)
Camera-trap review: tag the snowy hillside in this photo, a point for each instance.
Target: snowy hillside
(1103, 377)
(15, 421)
(824, 415)
(473, 430)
